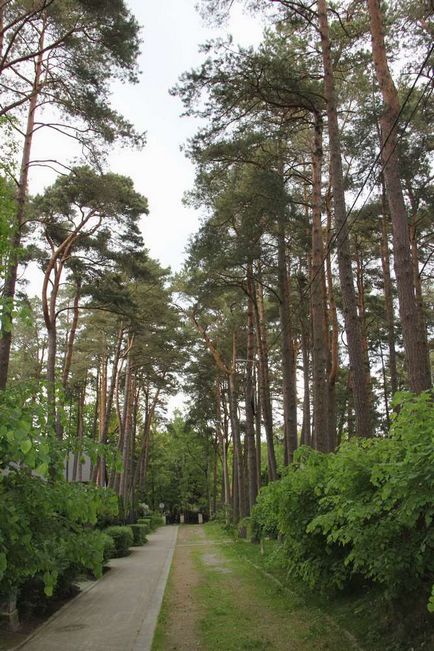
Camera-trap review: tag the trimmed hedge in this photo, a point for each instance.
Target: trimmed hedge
(145, 522)
(109, 547)
(155, 521)
(123, 539)
(139, 533)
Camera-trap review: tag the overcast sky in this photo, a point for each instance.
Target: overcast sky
(171, 34)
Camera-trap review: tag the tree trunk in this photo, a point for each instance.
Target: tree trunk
(333, 361)
(386, 400)
(361, 303)
(77, 467)
(143, 457)
(258, 426)
(287, 350)
(51, 376)
(15, 243)
(360, 389)
(416, 275)
(416, 352)
(71, 337)
(127, 434)
(99, 472)
(320, 437)
(388, 302)
(250, 393)
(264, 381)
(239, 502)
(221, 432)
(227, 440)
(306, 435)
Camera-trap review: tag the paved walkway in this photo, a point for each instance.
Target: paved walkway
(119, 612)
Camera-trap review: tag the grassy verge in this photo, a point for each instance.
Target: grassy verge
(160, 637)
(363, 613)
(244, 609)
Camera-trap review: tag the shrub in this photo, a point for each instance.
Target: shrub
(109, 549)
(145, 522)
(46, 531)
(122, 538)
(139, 533)
(155, 521)
(378, 501)
(365, 511)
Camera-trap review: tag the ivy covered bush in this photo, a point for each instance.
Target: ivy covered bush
(365, 511)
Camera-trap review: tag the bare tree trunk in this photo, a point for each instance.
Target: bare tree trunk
(415, 346)
(320, 438)
(214, 476)
(69, 347)
(15, 243)
(71, 336)
(51, 376)
(100, 471)
(388, 298)
(386, 400)
(264, 381)
(127, 427)
(287, 350)
(361, 302)
(223, 444)
(333, 365)
(239, 502)
(226, 439)
(361, 393)
(140, 477)
(415, 265)
(250, 393)
(258, 426)
(77, 467)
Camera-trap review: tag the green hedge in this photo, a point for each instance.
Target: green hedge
(145, 522)
(366, 511)
(139, 533)
(109, 547)
(122, 537)
(155, 521)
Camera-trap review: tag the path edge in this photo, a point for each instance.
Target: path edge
(145, 636)
(56, 614)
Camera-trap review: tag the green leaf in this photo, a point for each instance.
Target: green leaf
(26, 446)
(431, 601)
(42, 469)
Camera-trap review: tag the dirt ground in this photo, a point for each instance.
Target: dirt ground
(183, 610)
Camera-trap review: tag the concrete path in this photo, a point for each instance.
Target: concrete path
(119, 612)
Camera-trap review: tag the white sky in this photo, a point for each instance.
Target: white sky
(171, 34)
(172, 31)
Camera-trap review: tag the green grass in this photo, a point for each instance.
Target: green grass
(241, 607)
(159, 640)
(247, 610)
(363, 613)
